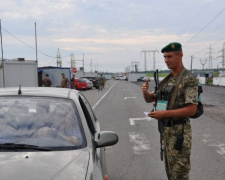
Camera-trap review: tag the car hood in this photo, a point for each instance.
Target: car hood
(53, 165)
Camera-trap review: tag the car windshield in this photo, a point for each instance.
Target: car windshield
(52, 123)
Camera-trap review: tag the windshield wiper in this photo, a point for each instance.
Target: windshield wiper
(12, 146)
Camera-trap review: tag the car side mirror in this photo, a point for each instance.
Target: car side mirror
(106, 138)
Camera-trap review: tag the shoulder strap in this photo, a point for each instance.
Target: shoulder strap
(172, 100)
(164, 81)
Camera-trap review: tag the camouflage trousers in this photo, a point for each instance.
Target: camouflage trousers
(177, 162)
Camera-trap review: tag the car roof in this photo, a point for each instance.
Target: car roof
(88, 76)
(38, 91)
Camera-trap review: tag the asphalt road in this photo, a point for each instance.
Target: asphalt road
(120, 107)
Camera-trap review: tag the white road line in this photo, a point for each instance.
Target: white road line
(93, 107)
(209, 141)
(139, 119)
(129, 98)
(140, 143)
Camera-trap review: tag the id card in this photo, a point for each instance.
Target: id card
(161, 105)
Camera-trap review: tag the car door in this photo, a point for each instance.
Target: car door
(94, 127)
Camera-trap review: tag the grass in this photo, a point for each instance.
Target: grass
(160, 74)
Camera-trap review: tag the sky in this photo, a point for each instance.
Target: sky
(112, 34)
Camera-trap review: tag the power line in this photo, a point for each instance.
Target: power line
(206, 25)
(203, 49)
(27, 44)
(193, 19)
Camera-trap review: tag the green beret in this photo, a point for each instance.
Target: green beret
(46, 74)
(174, 46)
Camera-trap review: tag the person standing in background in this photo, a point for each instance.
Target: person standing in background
(73, 82)
(46, 82)
(65, 83)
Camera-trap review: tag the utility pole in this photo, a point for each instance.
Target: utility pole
(145, 59)
(191, 61)
(91, 66)
(154, 51)
(203, 63)
(83, 64)
(134, 66)
(223, 56)
(3, 71)
(210, 57)
(59, 60)
(36, 43)
(73, 63)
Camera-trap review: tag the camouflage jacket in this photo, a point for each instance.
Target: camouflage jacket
(64, 82)
(187, 91)
(47, 82)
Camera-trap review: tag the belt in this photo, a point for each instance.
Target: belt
(172, 123)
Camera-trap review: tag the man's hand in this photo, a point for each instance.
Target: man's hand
(157, 114)
(145, 87)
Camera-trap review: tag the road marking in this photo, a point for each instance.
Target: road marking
(129, 98)
(141, 144)
(209, 141)
(93, 107)
(132, 123)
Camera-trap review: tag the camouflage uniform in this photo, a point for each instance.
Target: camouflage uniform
(101, 81)
(177, 162)
(64, 82)
(47, 82)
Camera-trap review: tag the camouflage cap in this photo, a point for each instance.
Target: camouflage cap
(62, 74)
(174, 46)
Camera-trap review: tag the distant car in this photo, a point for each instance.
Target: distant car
(139, 79)
(81, 84)
(123, 78)
(51, 133)
(89, 83)
(120, 77)
(94, 80)
(146, 78)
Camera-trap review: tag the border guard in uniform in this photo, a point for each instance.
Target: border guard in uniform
(177, 133)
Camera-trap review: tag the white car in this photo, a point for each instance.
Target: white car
(118, 77)
(89, 83)
(146, 78)
(50, 133)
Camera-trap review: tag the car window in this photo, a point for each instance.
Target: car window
(89, 114)
(45, 122)
(81, 80)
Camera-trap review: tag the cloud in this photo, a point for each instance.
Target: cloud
(116, 30)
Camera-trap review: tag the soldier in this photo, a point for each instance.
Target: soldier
(65, 81)
(73, 82)
(47, 81)
(177, 161)
(101, 81)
